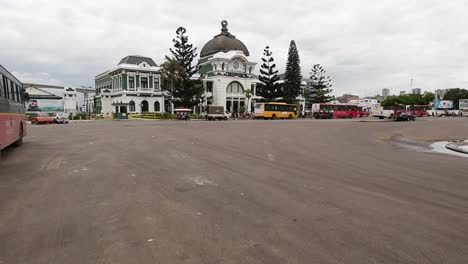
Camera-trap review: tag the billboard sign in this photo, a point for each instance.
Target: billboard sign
(463, 104)
(44, 105)
(443, 104)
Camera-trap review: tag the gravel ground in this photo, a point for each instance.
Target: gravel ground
(285, 191)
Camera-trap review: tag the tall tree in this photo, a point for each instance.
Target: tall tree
(268, 88)
(428, 97)
(293, 77)
(187, 92)
(171, 72)
(184, 52)
(319, 89)
(455, 95)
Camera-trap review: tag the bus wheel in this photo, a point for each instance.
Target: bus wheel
(273, 117)
(19, 142)
(290, 117)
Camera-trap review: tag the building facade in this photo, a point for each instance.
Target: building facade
(227, 72)
(133, 86)
(385, 92)
(346, 98)
(225, 68)
(416, 91)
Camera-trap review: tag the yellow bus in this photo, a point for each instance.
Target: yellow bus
(275, 110)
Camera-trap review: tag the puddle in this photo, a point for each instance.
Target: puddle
(411, 145)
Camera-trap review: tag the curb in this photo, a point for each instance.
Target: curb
(456, 147)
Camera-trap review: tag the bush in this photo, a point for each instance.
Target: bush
(80, 117)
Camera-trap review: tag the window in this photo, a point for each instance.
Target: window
(2, 93)
(156, 83)
(235, 88)
(157, 106)
(12, 91)
(17, 94)
(131, 83)
(144, 82)
(209, 87)
(131, 106)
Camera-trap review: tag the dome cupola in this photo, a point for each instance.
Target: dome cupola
(223, 42)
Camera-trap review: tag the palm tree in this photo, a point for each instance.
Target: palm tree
(171, 73)
(248, 94)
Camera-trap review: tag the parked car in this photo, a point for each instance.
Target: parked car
(61, 118)
(42, 118)
(405, 116)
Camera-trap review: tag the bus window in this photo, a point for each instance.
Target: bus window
(17, 92)
(12, 91)
(1, 86)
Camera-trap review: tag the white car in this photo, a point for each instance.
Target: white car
(61, 119)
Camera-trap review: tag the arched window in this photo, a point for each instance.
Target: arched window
(144, 106)
(131, 106)
(157, 106)
(235, 88)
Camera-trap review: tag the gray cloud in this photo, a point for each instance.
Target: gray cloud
(364, 45)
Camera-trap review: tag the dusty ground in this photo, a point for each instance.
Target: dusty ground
(328, 191)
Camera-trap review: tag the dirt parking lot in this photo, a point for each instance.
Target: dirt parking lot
(285, 191)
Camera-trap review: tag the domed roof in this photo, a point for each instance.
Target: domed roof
(223, 42)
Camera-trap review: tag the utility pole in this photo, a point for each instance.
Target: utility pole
(411, 83)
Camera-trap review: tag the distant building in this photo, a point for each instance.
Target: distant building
(345, 98)
(53, 98)
(385, 92)
(416, 91)
(366, 103)
(402, 92)
(439, 93)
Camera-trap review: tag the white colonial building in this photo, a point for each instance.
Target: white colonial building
(227, 72)
(225, 68)
(133, 86)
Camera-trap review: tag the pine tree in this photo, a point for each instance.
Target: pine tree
(269, 87)
(318, 91)
(187, 92)
(184, 53)
(293, 76)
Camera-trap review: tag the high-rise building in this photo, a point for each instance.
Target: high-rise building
(439, 93)
(402, 92)
(416, 91)
(345, 98)
(385, 92)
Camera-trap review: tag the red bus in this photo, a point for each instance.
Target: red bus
(418, 110)
(12, 116)
(328, 110)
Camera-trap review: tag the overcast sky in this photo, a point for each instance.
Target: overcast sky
(364, 45)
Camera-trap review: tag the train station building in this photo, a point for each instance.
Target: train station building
(134, 85)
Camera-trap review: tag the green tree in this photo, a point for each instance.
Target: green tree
(455, 95)
(293, 77)
(184, 53)
(268, 88)
(319, 89)
(171, 72)
(428, 97)
(408, 99)
(187, 92)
